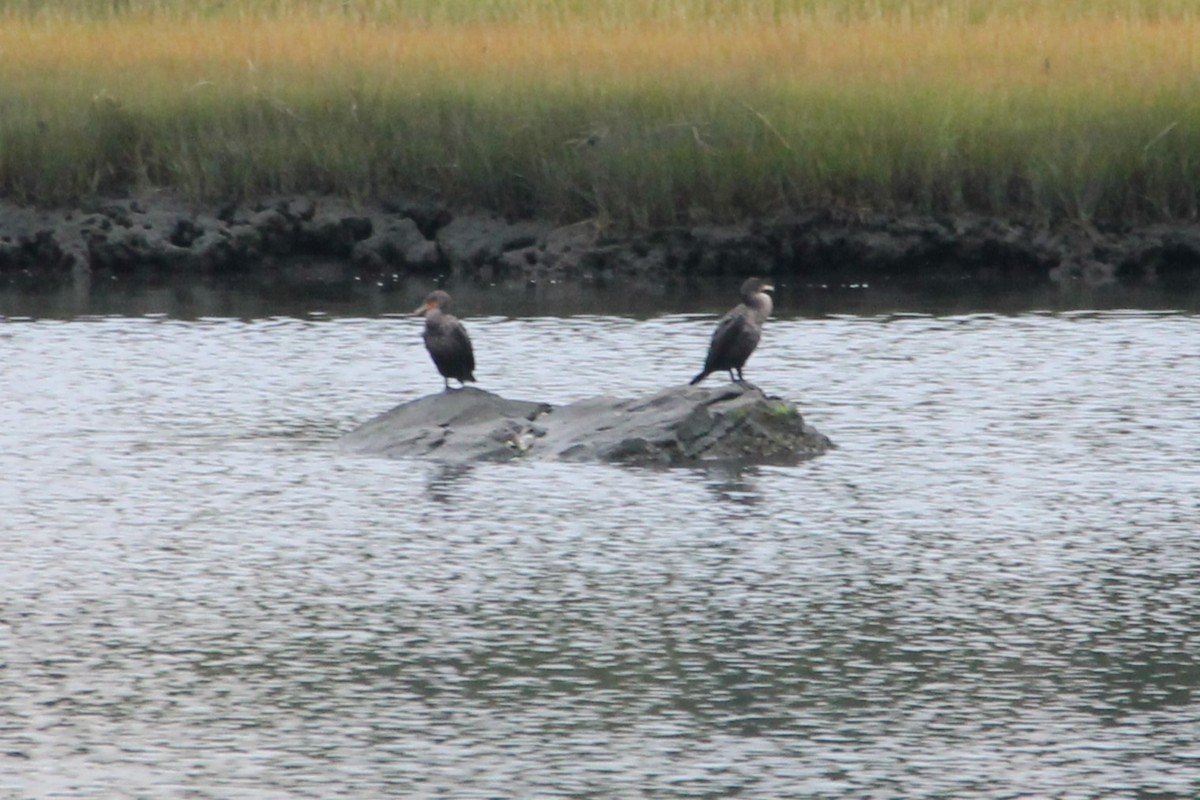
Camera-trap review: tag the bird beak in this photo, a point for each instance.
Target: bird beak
(424, 307)
(768, 288)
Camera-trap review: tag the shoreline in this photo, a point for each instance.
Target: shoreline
(160, 235)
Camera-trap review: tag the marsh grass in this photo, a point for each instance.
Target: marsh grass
(635, 113)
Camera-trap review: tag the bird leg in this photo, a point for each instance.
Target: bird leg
(741, 380)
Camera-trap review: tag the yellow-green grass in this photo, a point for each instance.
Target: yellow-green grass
(641, 113)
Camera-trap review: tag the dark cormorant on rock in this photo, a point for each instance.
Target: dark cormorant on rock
(446, 340)
(738, 332)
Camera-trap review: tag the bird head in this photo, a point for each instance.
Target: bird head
(434, 301)
(754, 286)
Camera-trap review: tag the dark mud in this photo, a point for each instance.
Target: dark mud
(161, 235)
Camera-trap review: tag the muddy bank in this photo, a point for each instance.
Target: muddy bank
(163, 234)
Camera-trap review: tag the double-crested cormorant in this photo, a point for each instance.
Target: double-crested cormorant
(446, 340)
(738, 332)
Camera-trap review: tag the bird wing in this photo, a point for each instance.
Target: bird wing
(733, 341)
(726, 334)
(462, 345)
(448, 343)
(728, 327)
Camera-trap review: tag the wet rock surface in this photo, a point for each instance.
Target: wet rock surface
(163, 233)
(677, 426)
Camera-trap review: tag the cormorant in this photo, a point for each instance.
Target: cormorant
(738, 332)
(446, 340)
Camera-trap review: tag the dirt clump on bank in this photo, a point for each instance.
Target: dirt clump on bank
(160, 233)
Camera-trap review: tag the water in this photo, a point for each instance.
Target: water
(989, 590)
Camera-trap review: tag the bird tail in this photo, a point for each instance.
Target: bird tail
(704, 373)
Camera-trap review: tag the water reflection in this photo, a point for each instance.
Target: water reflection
(733, 483)
(335, 289)
(447, 481)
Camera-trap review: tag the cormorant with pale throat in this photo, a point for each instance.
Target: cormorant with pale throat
(446, 340)
(738, 332)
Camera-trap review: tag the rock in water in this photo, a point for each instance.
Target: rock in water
(679, 425)
(466, 424)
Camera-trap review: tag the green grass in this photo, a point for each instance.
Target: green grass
(625, 112)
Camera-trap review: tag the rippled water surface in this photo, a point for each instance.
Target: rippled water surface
(991, 589)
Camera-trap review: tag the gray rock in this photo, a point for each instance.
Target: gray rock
(679, 425)
(466, 424)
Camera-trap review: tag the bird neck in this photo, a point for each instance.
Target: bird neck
(761, 304)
